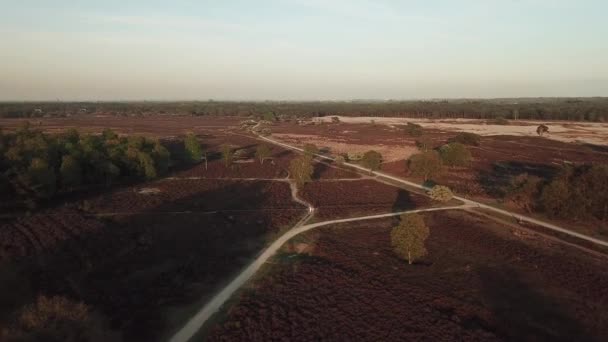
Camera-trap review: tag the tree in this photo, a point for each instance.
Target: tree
(542, 129)
(262, 152)
(227, 155)
(71, 172)
(455, 154)
(161, 157)
(311, 150)
(408, 238)
(524, 191)
(424, 144)
(335, 119)
(42, 178)
(270, 116)
(441, 193)
(426, 165)
(466, 138)
(301, 170)
(371, 160)
(340, 160)
(146, 164)
(192, 148)
(554, 198)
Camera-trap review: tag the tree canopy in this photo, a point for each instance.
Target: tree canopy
(409, 237)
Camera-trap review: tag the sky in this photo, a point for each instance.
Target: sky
(301, 49)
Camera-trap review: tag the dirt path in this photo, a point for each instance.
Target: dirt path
(519, 217)
(196, 322)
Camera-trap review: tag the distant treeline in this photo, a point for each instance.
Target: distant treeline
(38, 165)
(574, 109)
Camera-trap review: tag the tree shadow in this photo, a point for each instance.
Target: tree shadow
(496, 182)
(319, 169)
(402, 202)
(524, 313)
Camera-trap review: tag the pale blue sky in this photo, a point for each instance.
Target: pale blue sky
(302, 49)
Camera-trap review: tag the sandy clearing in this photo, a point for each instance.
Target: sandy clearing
(390, 153)
(566, 131)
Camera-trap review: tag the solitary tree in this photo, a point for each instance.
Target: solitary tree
(262, 152)
(193, 148)
(455, 154)
(425, 165)
(409, 236)
(310, 150)
(227, 155)
(371, 160)
(301, 170)
(542, 129)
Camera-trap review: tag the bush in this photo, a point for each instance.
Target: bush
(354, 156)
(408, 238)
(466, 138)
(524, 191)
(340, 160)
(413, 130)
(542, 129)
(455, 154)
(441, 193)
(426, 165)
(371, 160)
(311, 150)
(193, 150)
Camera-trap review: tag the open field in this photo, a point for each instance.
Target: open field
(566, 131)
(479, 282)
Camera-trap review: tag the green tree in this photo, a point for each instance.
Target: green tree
(146, 165)
(372, 160)
(554, 198)
(193, 150)
(426, 165)
(524, 191)
(42, 178)
(409, 237)
(301, 170)
(455, 154)
(270, 116)
(71, 172)
(262, 152)
(162, 158)
(227, 155)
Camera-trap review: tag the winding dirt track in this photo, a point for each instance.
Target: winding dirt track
(196, 322)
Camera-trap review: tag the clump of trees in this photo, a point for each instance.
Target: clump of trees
(193, 150)
(409, 237)
(578, 192)
(466, 138)
(441, 193)
(455, 154)
(371, 160)
(426, 164)
(35, 164)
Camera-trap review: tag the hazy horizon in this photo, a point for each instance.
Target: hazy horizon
(302, 50)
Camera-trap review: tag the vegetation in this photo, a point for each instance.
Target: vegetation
(426, 164)
(575, 109)
(466, 138)
(524, 191)
(455, 154)
(192, 147)
(262, 152)
(310, 150)
(340, 160)
(408, 238)
(498, 121)
(413, 130)
(301, 170)
(37, 165)
(441, 193)
(424, 144)
(227, 155)
(542, 129)
(371, 160)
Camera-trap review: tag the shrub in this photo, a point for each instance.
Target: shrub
(354, 156)
(335, 119)
(371, 160)
(524, 191)
(466, 138)
(310, 149)
(426, 165)
(413, 130)
(455, 154)
(542, 129)
(340, 160)
(409, 236)
(441, 193)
